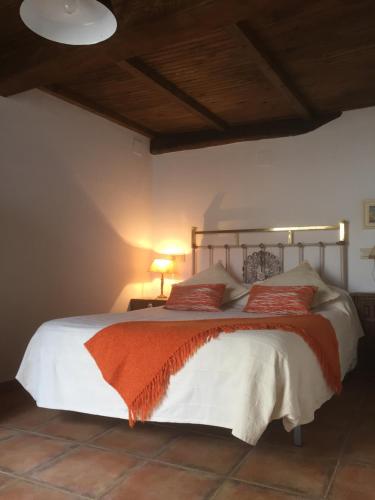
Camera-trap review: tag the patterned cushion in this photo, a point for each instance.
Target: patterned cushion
(280, 299)
(304, 275)
(196, 297)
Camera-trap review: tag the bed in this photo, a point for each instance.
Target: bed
(240, 381)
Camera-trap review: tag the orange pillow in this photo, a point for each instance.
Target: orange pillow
(196, 297)
(280, 299)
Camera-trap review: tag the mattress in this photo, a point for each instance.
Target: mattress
(240, 381)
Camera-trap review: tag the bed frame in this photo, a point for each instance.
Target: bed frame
(262, 264)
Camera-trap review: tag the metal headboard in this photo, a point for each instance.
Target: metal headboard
(342, 243)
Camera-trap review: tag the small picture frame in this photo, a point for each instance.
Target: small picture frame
(369, 214)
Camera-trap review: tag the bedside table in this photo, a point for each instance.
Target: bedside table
(135, 304)
(365, 304)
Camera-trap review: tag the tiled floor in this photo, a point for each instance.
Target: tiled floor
(51, 455)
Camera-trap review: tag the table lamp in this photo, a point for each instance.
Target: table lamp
(163, 266)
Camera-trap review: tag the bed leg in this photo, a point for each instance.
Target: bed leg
(297, 436)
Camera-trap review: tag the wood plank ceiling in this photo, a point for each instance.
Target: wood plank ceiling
(195, 73)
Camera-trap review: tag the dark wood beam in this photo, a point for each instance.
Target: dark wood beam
(266, 130)
(97, 109)
(271, 69)
(152, 78)
(54, 63)
(64, 67)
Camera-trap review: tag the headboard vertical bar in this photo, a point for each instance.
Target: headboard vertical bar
(244, 257)
(321, 258)
(262, 250)
(301, 252)
(344, 264)
(193, 249)
(281, 256)
(227, 257)
(244, 252)
(290, 237)
(211, 254)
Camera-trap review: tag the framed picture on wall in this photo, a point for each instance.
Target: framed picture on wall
(369, 213)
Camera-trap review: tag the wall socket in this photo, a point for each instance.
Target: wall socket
(365, 252)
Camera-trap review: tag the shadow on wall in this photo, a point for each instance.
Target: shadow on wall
(59, 257)
(217, 217)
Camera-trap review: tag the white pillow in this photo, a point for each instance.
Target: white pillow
(304, 274)
(218, 274)
(240, 303)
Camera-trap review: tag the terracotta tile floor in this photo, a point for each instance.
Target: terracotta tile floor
(53, 455)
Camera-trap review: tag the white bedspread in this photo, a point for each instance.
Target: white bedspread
(241, 381)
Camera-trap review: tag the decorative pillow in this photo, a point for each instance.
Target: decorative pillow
(205, 297)
(218, 274)
(303, 275)
(280, 299)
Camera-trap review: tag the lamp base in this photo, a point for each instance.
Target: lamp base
(161, 296)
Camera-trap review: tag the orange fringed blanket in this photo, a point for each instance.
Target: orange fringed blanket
(138, 358)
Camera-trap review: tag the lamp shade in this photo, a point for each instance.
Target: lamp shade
(165, 265)
(73, 22)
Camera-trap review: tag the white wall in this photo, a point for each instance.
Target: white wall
(317, 178)
(74, 217)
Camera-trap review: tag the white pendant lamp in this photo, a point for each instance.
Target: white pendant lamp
(73, 22)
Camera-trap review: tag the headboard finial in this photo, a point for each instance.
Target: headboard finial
(343, 231)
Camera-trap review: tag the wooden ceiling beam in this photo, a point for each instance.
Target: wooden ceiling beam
(54, 63)
(148, 75)
(64, 67)
(251, 132)
(93, 107)
(271, 69)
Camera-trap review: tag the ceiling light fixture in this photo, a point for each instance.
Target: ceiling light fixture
(73, 22)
